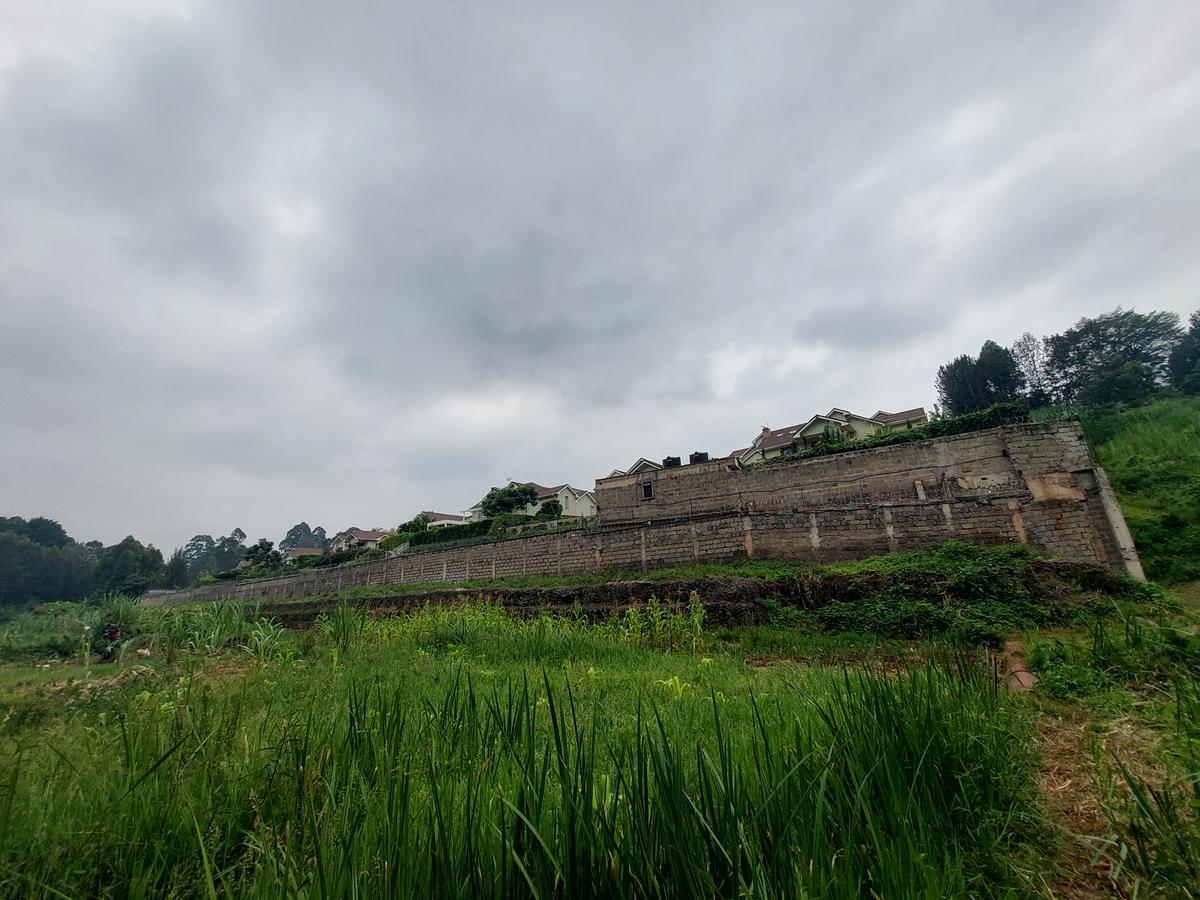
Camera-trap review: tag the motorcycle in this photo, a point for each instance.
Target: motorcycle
(111, 634)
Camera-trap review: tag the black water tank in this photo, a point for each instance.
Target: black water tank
(698, 457)
(670, 462)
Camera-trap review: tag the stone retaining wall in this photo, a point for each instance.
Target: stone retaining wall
(1035, 484)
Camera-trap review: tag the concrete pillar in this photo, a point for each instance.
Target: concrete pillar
(1018, 521)
(748, 536)
(893, 544)
(1119, 528)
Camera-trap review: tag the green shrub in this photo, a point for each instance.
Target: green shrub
(508, 520)
(894, 614)
(1066, 671)
(451, 533)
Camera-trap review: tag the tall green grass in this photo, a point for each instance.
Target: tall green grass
(1152, 454)
(428, 758)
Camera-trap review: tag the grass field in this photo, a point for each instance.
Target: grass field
(459, 752)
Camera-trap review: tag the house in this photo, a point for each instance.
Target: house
(850, 426)
(642, 465)
(575, 503)
(442, 520)
(294, 553)
(356, 539)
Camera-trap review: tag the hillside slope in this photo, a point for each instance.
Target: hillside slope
(1152, 455)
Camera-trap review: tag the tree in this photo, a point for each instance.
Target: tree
(263, 553)
(551, 509)
(966, 384)
(228, 552)
(1184, 363)
(39, 562)
(419, 522)
(39, 529)
(1029, 353)
(129, 567)
(1001, 376)
(1116, 381)
(198, 554)
(175, 573)
(1098, 351)
(513, 498)
(303, 536)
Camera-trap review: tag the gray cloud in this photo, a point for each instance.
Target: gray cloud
(341, 265)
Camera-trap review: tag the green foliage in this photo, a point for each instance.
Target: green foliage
(395, 539)
(968, 384)
(451, 533)
(427, 764)
(513, 498)
(206, 556)
(129, 567)
(551, 509)
(418, 523)
(1184, 363)
(504, 521)
(1119, 356)
(1150, 648)
(1152, 455)
(32, 572)
(175, 573)
(263, 553)
(301, 535)
(992, 417)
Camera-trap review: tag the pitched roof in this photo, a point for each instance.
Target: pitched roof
(641, 465)
(362, 534)
(542, 490)
(773, 439)
(917, 412)
(442, 517)
(293, 552)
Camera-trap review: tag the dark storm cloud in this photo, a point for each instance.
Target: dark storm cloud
(341, 264)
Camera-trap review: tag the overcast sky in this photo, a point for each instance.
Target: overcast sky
(266, 262)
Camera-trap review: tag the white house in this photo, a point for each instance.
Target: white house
(442, 520)
(575, 502)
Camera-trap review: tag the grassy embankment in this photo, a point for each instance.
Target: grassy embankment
(1118, 701)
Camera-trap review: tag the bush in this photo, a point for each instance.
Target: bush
(451, 533)
(508, 520)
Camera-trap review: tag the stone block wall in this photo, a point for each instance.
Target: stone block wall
(1034, 484)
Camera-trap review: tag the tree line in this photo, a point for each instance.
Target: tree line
(40, 561)
(1120, 357)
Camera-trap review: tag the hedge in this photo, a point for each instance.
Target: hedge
(450, 533)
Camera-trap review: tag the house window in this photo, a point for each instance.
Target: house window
(647, 490)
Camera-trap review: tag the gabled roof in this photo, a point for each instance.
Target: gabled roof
(442, 517)
(295, 552)
(641, 465)
(362, 534)
(773, 439)
(543, 491)
(905, 415)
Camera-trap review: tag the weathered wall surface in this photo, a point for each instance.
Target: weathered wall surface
(1034, 484)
